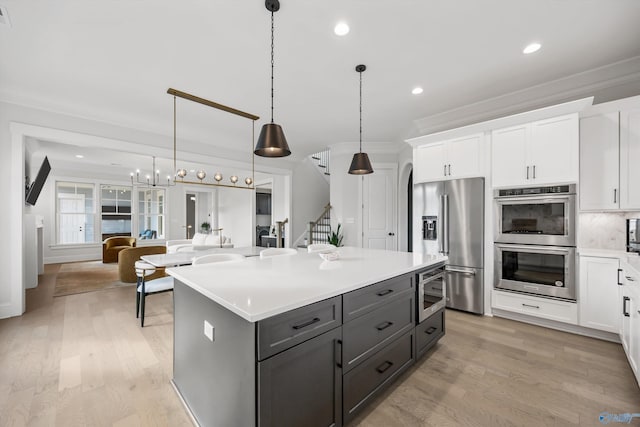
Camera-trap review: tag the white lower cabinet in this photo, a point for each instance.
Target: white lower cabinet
(598, 293)
(629, 308)
(560, 311)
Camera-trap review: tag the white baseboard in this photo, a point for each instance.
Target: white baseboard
(7, 310)
(72, 258)
(564, 327)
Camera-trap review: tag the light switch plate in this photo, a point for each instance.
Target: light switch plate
(208, 330)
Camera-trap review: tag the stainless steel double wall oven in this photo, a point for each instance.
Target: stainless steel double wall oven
(535, 239)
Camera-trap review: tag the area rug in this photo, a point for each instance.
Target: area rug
(91, 276)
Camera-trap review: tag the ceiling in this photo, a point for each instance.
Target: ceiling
(113, 62)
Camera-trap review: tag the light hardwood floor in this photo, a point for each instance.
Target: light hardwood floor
(83, 360)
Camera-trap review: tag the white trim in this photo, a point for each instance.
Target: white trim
(90, 245)
(504, 122)
(16, 198)
(73, 258)
(6, 310)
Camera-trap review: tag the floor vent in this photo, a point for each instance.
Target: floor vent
(4, 16)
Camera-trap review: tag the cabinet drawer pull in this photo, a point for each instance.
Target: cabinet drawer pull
(431, 330)
(386, 365)
(305, 324)
(615, 194)
(619, 282)
(527, 172)
(534, 171)
(383, 326)
(624, 306)
(385, 292)
(528, 305)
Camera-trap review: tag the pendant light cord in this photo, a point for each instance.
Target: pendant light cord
(361, 111)
(272, 44)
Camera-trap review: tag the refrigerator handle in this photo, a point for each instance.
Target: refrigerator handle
(441, 225)
(445, 225)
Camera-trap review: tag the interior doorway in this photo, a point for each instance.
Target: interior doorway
(190, 225)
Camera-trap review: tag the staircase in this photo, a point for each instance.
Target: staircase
(322, 159)
(319, 230)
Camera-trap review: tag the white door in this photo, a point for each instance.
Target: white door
(599, 155)
(599, 294)
(379, 203)
(552, 151)
(72, 220)
(508, 155)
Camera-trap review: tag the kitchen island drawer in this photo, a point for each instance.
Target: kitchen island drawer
(283, 331)
(369, 333)
(428, 332)
(365, 300)
(371, 377)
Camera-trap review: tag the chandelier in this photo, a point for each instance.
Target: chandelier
(152, 179)
(181, 173)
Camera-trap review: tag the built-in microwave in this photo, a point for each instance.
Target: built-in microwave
(536, 215)
(432, 292)
(540, 270)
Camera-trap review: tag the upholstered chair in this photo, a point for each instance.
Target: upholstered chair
(113, 245)
(127, 259)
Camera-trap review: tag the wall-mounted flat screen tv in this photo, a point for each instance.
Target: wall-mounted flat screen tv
(36, 187)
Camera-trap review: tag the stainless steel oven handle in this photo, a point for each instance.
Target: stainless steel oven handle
(455, 270)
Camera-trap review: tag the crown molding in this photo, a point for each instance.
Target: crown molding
(592, 82)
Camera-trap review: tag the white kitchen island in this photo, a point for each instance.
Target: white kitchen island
(294, 340)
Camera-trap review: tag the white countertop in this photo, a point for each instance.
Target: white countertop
(256, 289)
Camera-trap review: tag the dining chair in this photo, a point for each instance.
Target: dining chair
(147, 287)
(206, 259)
(320, 247)
(269, 252)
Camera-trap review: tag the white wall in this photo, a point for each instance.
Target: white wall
(310, 194)
(236, 215)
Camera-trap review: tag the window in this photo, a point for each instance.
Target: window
(75, 213)
(151, 213)
(116, 210)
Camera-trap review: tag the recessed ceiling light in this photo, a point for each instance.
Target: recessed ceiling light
(533, 47)
(79, 156)
(417, 90)
(341, 29)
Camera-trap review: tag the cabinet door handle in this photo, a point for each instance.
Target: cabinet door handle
(534, 171)
(528, 305)
(615, 195)
(338, 353)
(449, 169)
(430, 330)
(386, 365)
(527, 172)
(619, 282)
(624, 306)
(307, 323)
(445, 170)
(384, 325)
(385, 292)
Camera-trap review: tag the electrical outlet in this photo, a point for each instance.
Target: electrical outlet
(208, 330)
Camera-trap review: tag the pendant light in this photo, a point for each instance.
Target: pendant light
(271, 142)
(360, 164)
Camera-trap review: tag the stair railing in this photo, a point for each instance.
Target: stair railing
(318, 230)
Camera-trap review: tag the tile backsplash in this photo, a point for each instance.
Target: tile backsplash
(604, 230)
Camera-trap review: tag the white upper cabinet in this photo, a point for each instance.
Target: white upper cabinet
(542, 152)
(629, 159)
(609, 158)
(455, 158)
(599, 157)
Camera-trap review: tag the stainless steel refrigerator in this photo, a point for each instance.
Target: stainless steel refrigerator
(448, 218)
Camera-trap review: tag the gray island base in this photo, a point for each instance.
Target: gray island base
(297, 364)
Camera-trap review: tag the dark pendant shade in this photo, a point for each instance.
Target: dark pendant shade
(271, 142)
(360, 164)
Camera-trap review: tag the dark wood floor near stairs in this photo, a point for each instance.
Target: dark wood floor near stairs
(83, 360)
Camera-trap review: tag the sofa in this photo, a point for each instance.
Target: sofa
(113, 245)
(127, 259)
(200, 241)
